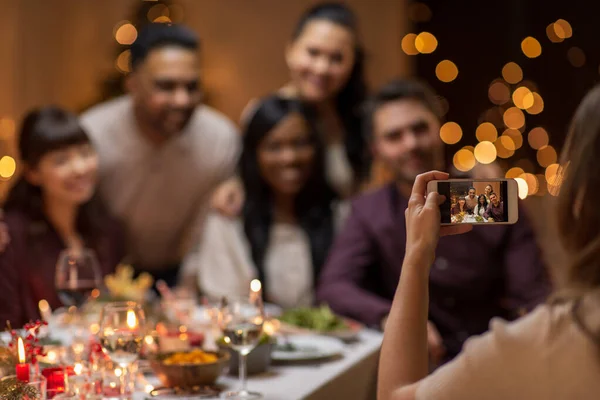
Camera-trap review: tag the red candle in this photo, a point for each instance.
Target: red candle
(22, 367)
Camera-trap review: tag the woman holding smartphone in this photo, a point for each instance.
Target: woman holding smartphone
(551, 353)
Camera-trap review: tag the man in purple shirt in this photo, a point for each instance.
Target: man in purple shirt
(490, 271)
(495, 211)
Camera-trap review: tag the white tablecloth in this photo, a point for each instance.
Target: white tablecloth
(353, 376)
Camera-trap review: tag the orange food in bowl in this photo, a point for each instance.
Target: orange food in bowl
(191, 357)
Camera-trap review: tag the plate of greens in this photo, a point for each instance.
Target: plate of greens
(320, 320)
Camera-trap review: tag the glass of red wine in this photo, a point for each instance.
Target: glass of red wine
(77, 275)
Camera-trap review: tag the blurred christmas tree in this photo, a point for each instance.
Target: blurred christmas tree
(149, 11)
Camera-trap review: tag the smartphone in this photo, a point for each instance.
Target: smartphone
(478, 201)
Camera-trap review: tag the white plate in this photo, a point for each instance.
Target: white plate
(309, 347)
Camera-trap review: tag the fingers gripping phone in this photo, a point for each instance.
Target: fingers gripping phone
(477, 201)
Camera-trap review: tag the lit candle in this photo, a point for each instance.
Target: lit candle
(255, 290)
(22, 367)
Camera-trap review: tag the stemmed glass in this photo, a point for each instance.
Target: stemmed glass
(241, 321)
(77, 275)
(121, 334)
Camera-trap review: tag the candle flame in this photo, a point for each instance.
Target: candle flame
(131, 319)
(255, 285)
(21, 350)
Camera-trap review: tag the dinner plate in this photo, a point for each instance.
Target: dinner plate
(348, 334)
(308, 348)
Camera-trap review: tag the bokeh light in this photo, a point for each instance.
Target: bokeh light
(8, 166)
(163, 20)
(514, 172)
(426, 43)
(444, 105)
(551, 171)
(523, 189)
(159, 10)
(514, 118)
(546, 156)
(485, 152)
(512, 73)
(123, 62)
(419, 12)
(486, 132)
(515, 136)
(531, 47)
(499, 92)
(451, 133)
(554, 32)
(125, 33)
(523, 98)
(538, 104)
(464, 160)
(532, 183)
(408, 44)
(576, 57)
(446, 71)
(562, 27)
(7, 128)
(505, 147)
(538, 138)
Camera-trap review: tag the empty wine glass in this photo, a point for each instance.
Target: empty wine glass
(121, 334)
(77, 275)
(241, 321)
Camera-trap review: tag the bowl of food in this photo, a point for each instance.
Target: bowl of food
(257, 361)
(188, 369)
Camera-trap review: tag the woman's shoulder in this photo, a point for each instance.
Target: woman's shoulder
(216, 223)
(18, 222)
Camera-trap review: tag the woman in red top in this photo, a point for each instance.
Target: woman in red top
(52, 207)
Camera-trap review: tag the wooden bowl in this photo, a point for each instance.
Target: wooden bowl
(189, 375)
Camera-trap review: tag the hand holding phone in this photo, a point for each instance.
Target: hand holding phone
(477, 201)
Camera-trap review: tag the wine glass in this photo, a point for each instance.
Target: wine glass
(77, 275)
(241, 321)
(121, 334)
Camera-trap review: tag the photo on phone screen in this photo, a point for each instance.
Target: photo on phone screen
(474, 202)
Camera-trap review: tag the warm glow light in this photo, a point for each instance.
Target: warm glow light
(7, 128)
(43, 306)
(512, 73)
(162, 20)
(446, 71)
(538, 104)
(94, 329)
(271, 327)
(515, 136)
(451, 133)
(532, 183)
(485, 152)
(20, 351)
(576, 57)
(78, 368)
(531, 47)
(126, 33)
(255, 285)
(131, 319)
(157, 11)
(514, 118)
(514, 172)
(551, 172)
(149, 340)
(538, 138)
(426, 43)
(419, 12)
(555, 33)
(546, 156)
(523, 189)
(523, 98)
(505, 147)
(486, 132)
(464, 160)
(8, 166)
(562, 27)
(148, 388)
(123, 62)
(118, 372)
(408, 44)
(499, 93)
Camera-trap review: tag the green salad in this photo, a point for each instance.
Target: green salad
(319, 319)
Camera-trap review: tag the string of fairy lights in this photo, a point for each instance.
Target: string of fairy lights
(501, 128)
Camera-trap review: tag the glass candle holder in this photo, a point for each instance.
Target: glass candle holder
(39, 383)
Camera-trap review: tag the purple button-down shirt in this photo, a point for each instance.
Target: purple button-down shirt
(495, 212)
(490, 271)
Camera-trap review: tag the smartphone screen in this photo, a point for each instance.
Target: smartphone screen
(474, 202)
